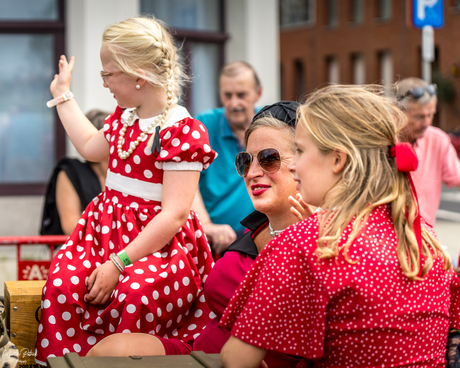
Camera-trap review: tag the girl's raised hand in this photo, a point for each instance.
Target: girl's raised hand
(61, 81)
(299, 208)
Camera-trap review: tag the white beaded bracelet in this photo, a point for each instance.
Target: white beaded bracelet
(63, 98)
(116, 263)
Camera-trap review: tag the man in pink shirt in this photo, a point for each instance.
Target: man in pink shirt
(438, 161)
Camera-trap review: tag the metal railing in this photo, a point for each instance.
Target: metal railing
(33, 269)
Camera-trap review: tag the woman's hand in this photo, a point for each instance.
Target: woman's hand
(299, 208)
(61, 81)
(220, 236)
(101, 283)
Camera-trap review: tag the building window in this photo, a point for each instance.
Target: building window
(356, 11)
(29, 10)
(299, 78)
(31, 139)
(455, 4)
(331, 13)
(197, 26)
(332, 67)
(297, 12)
(386, 69)
(383, 9)
(358, 70)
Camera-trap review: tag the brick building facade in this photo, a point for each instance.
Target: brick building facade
(366, 41)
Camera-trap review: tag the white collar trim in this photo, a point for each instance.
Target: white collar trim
(176, 114)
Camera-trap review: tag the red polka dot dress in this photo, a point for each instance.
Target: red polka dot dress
(162, 293)
(337, 314)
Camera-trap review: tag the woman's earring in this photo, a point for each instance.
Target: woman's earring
(138, 86)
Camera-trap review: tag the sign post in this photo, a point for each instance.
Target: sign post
(427, 52)
(427, 14)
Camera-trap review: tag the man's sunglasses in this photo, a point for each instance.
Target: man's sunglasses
(269, 160)
(419, 92)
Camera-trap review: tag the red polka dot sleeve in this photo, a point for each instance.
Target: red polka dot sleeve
(111, 123)
(360, 314)
(185, 146)
(278, 301)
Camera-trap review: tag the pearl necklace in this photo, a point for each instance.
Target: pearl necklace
(274, 233)
(132, 146)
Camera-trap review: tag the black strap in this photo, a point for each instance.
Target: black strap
(156, 147)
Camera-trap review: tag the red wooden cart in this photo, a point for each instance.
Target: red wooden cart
(33, 269)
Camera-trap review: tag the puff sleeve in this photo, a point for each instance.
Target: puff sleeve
(111, 123)
(280, 305)
(185, 146)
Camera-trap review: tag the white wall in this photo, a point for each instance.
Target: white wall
(20, 215)
(254, 37)
(86, 21)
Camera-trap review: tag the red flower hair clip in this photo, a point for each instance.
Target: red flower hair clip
(406, 159)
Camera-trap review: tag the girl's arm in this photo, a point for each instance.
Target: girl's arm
(179, 188)
(88, 141)
(239, 354)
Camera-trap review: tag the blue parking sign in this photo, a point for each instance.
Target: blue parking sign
(427, 13)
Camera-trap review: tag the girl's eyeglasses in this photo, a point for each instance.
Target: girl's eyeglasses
(105, 75)
(418, 92)
(269, 160)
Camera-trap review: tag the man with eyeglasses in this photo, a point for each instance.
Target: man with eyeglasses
(438, 160)
(222, 200)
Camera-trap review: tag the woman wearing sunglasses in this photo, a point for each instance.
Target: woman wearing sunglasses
(264, 168)
(363, 282)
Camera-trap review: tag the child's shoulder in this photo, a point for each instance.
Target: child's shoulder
(183, 123)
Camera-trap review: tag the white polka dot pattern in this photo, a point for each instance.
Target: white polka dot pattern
(150, 295)
(350, 315)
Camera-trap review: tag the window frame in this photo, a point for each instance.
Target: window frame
(57, 29)
(187, 38)
(331, 13)
(381, 7)
(356, 12)
(310, 22)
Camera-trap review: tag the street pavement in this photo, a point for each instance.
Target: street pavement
(447, 225)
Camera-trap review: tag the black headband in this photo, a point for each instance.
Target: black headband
(282, 110)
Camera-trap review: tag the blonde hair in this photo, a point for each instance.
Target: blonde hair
(144, 43)
(360, 122)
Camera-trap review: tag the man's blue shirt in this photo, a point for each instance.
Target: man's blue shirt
(223, 190)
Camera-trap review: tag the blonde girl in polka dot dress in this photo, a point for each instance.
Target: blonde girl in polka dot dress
(138, 258)
(363, 282)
